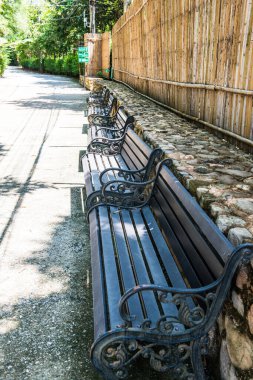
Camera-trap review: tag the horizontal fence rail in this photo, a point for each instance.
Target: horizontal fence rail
(195, 56)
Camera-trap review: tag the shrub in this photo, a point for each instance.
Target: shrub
(4, 61)
(66, 66)
(49, 65)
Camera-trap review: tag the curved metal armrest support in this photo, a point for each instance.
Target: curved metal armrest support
(112, 129)
(124, 173)
(105, 140)
(121, 186)
(208, 299)
(142, 174)
(163, 292)
(127, 194)
(121, 194)
(106, 146)
(98, 120)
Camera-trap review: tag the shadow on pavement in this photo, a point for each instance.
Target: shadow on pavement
(3, 151)
(71, 102)
(9, 184)
(49, 332)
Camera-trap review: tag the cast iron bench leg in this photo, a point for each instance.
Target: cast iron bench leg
(196, 359)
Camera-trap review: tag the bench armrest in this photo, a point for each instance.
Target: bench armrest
(106, 146)
(130, 194)
(207, 301)
(114, 128)
(98, 120)
(121, 194)
(124, 194)
(132, 175)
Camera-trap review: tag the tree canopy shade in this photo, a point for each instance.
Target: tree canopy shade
(51, 28)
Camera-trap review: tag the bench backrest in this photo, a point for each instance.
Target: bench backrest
(201, 250)
(112, 104)
(122, 120)
(135, 151)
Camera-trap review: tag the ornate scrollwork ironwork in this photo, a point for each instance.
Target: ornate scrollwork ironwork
(192, 309)
(123, 193)
(197, 308)
(100, 120)
(134, 175)
(105, 146)
(112, 130)
(119, 355)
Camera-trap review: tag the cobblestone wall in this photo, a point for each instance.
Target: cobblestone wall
(220, 176)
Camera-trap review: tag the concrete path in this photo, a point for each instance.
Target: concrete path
(46, 326)
(45, 295)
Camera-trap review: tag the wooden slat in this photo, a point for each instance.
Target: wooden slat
(199, 217)
(99, 304)
(167, 259)
(110, 268)
(194, 245)
(138, 263)
(151, 257)
(126, 271)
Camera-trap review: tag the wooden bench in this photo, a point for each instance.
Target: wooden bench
(134, 162)
(106, 135)
(161, 270)
(108, 109)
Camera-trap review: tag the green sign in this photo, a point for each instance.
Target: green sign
(83, 50)
(83, 54)
(83, 59)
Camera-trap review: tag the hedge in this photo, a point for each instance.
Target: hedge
(4, 61)
(64, 66)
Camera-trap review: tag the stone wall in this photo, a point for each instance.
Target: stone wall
(220, 176)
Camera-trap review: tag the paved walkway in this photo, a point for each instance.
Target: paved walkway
(46, 327)
(45, 302)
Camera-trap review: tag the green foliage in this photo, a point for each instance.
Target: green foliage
(67, 65)
(107, 13)
(48, 34)
(11, 26)
(4, 60)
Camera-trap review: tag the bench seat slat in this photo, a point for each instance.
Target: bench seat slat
(87, 177)
(127, 278)
(118, 161)
(151, 306)
(163, 251)
(113, 293)
(93, 175)
(151, 257)
(99, 308)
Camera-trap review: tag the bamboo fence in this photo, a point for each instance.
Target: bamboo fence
(195, 56)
